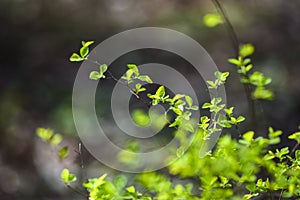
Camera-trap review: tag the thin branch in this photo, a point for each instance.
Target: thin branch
(235, 43)
(228, 25)
(77, 192)
(294, 148)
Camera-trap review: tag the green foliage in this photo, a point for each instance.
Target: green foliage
(63, 152)
(105, 189)
(96, 75)
(67, 177)
(48, 136)
(133, 74)
(232, 171)
(83, 52)
(256, 79)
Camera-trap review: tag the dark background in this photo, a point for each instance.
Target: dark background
(38, 36)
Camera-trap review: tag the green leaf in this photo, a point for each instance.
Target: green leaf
(178, 96)
(249, 67)
(258, 79)
(63, 152)
(211, 84)
(86, 44)
(141, 118)
(229, 111)
(179, 103)
(94, 75)
(206, 105)
(84, 51)
(76, 58)
(134, 69)
(234, 61)
(233, 120)
(194, 107)
(274, 134)
(262, 93)
(160, 91)
(44, 134)
(248, 136)
(246, 50)
(177, 111)
(145, 78)
(295, 136)
(131, 189)
(224, 76)
(212, 20)
(55, 140)
(218, 75)
(103, 68)
(139, 88)
(240, 119)
(189, 101)
(128, 75)
(67, 177)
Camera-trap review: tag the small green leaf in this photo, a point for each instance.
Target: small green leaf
(246, 50)
(103, 69)
(160, 91)
(128, 76)
(224, 76)
(141, 118)
(211, 84)
(44, 134)
(84, 51)
(67, 177)
(194, 107)
(178, 96)
(134, 69)
(262, 93)
(206, 105)
(248, 136)
(63, 152)
(234, 61)
(86, 44)
(56, 139)
(248, 67)
(94, 75)
(131, 189)
(189, 101)
(229, 111)
(212, 20)
(177, 111)
(295, 136)
(76, 58)
(240, 119)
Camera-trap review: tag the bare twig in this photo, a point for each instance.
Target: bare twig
(235, 43)
(77, 191)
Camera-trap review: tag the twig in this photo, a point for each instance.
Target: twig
(235, 43)
(294, 148)
(77, 192)
(229, 27)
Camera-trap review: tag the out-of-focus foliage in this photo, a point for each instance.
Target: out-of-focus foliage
(36, 79)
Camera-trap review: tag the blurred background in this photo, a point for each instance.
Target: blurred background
(36, 80)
